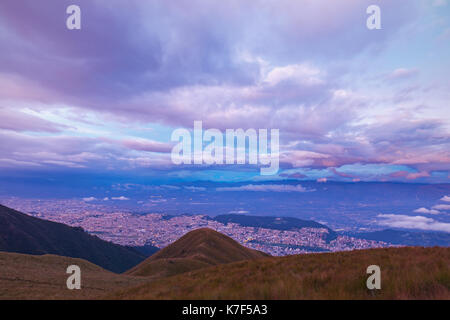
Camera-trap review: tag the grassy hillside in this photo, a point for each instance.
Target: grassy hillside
(44, 277)
(25, 234)
(200, 266)
(197, 249)
(406, 273)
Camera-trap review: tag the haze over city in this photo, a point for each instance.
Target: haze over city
(87, 114)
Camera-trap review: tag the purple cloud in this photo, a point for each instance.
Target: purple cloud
(18, 121)
(302, 67)
(147, 145)
(442, 207)
(426, 211)
(402, 73)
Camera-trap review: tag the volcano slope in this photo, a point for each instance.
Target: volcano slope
(197, 249)
(22, 233)
(25, 276)
(406, 273)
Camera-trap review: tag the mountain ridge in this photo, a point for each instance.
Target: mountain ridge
(25, 234)
(196, 249)
(272, 222)
(407, 237)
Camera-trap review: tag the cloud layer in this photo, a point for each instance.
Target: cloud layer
(108, 96)
(267, 188)
(412, 222)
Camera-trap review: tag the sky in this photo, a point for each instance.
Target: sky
(351, 104)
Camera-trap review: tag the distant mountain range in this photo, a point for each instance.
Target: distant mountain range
(393, 236)
(197, 249)
(407, 238)
(22, 233)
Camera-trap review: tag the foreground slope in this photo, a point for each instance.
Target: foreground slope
(406, 273)
(197, 249)
(25, 276)
(25, 234)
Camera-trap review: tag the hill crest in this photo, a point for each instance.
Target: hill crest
(25, 234)
(196, 249)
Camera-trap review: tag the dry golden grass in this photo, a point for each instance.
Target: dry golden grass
(197, 249)
(406, 273)
(44, 277)
(162, 268)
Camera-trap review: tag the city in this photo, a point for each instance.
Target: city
(159, 230)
